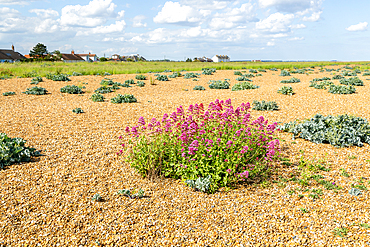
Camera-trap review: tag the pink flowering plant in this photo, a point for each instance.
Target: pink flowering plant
(221, 142)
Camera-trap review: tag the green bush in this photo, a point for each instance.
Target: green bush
(265, 106)
(175, 74)
(97, 97)
(337, 77)
(366, 74)
(162, 78)
(71, 89)
(349, 73)
(60, 77)
(286, 90)
(321, 79)
(298, 71)
(190, 75)
(219, 84)
(243, 86)
(353, 81)
(131, 81)
(8, 93)
(321, 84)
(243, 78)
(291, 80)
(284, 73)
(36, 80)
(126, 98)
(77, 110)
(339, 89)
(208, 71)
(201, 88)
(274, 69)
(261, 70)
(13, 150)
(104, 89)
(340, 131)
(253, 71)
(76, 73)
(36, 91)
(237, 73)
(140, 77)
(140, 83)
(107, 82)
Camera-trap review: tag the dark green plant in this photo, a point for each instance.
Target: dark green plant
(126, 98)
(71, 89)
(337, 77)
(265, 106)
(219, 84)
(286, 90)
(253, 71)
(243, 78)
(284, 73)
(131, 195)
(130, 81)
(162, 78)
(77, 110)
(8, 93)
(97, 198)
(339, 89)
(321, 84)
(353, 81)
(208, 71)
(190, 75)
(349, 73)
(244, 85)
(104, 89)
(60, 77)
(36, 91)
(201, 88)
(140, 77)
(97, 97)
(237, 73)
(291, 80)
(36, 80)
(76, 73)
(140, 83)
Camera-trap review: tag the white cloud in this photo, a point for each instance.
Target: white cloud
(298, 26)
(276, 23)
(297, 38)
(47, 26)
(270, 43)
(116, 27)
(137, 21)
(15, 2)
(192, 32)
(91, 15)
(208, 4)
(121, 14)
(175, 13)
(45, 13)
(315, 16)
(362, 26)
(290, 6)
(11, 21)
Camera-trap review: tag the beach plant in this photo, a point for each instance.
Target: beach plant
(97, 198)
(261, 70)
(36, 80)
(353, 81)
(349, 73)
(291, 80)
(162, 78)
(274, 69)
(321, 79)
(201, 184)
(253, 71)
(219, 84)
(286, 90)
(284, 73)
(244, 85)
(338, 77)
(190, 75)
(339, 89)
(8, 93)
(140, 77)
(60, 77)
(298, 71)
(366, 74)
(77, 110)
(221, 143)
(243, 78)
(104, 89)
(97, 97)
(175, 74)
(13, 150)
(36, 91)
(130, 81)
(198, 87)
(339, 131)
(76, 73)
(265, 106)
(237, 73)
(140, 83)
(126, 98)
(208, 71)
(321, 84)
(71, 89)
(131, 194)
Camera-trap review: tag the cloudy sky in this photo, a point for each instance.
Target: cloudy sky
(177, 29)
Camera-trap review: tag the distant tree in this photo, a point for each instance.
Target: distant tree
(195, 59)
(39, 50)
(103, 59)
(129, 59)
(189, 60)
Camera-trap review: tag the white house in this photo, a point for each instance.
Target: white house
(221, 58)
(89, 57)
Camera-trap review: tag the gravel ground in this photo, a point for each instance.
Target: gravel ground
(48, 202)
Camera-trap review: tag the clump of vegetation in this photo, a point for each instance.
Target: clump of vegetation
(130, 81)
(13, 150)
(321, 84)
(162, 78)
(8, 93)
(261, 70)
(97, 198)
(253, 71)
(337, 77)
(243, 78)
(265, 106)
(286, 90)
(36, 91)
(76, 73)
(131, 195)
(274, 69)
(298, 71)
(71, 89)
(243, 86)
(126, 98)
(222, 158)
(140, 83)
(208, 71)
(140, 77)
(104, 89)
(60, 77)
(353, 81)
(77, 110)
(321, 79)
(339, 89)
(349, 73)
(201, 88)
(219, 84)
(175, 74)
(340, 131)
(366, 74)
(284, 73)
(29, 74)
(107, 82)
(237, 73)
(97, 97)
(36, 80)
(291, 80)
(190, 75)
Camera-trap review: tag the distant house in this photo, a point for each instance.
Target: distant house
(89, 57)
(135, 57)
(10, 56)
(221, 58)
(71, 58)
(204, 59)
(116, 57)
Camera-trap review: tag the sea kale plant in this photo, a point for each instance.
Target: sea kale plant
(284, 73)
(199, 87)
(97, 97)
(291, 80)
(104, 89)
(162, 78)
(265, 105)
(36, 91)
(140, 83)
(77, 110)
(126, 98)
(60, 77)
(337, 77)
(340, 131)
(219, 84)
(286, 90)
(140, 77)
(190, 75)
(8, 93)
(71, 89)
(221, 143)
(353, 81)
(243, 78)
(36, 80)
(339, 89)
(243, 86)
(321, 84)
(208, 71)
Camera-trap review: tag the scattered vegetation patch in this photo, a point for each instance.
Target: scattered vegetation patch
(243, 78)
(36, 91)
(162, 78)
(219, 84)
(126, 98)
(8, 93)
(291, 80)
(140, 77)
(208, 71)
(284, 73)
(237, 73)
(244, 85)
(321, 84)
(339, 89)
(104, 89)
(353, 81)
(200, 88)
(190, 75)
(338, 77)
(60, 77)
(71, 89)
(97, 97)
(349, 73)
(265, 106)
(36, 80)
(287, 90)
(77, 110)
(140, 83)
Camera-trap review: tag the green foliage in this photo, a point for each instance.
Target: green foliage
(284, 73)
(286, 90)
(337, 77)
(36, 91)
(321, 79)
(140, 83)
(29, 74)
(77, 110)
(175, 74)
(140, 77)
(201, 88)
(131, 81)
(261, 70)
(237, 73)
(162, 78)
(274, 69)
(39, 50)
(104, 89)
(131, 195)
(97, 97)
(366, 74)
(107, 82)
(265, 106)
(13, 150)
(298, 71)
(339, 131)
(291, 80)
(321, 84)
(243, 86)
(97, 198)
(353, 81)
(201, 184)
(76, 73)
(349, 73)
(338, 89)
(243, 78)
(36, 80)
(126, 98)
(60, 77)
(253, 71)
(219, 84)
(71, 89)
(8, 93)
(190, 75)
(208, 71)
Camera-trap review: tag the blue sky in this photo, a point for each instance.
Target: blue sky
(177, 29)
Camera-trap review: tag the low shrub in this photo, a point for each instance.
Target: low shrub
(77, 110)
(349, 73)
(140, 83)
(13, 150)
(243, 78)
(36, 80)
(244, 85)
(219, 146)
(321, 84)
(339, 89)
(107, 82)
(76, 73)
(261, 70)
(190, 75)
(130, 81)
(140, 77)
(366, 74)
(60, 77)
(353, 81)
(104, 89)
(321, 79)
(298, 71)
(265, 106)
(291, 80)
(208, 71)
(162, 78)
(253, 71)
(286, 90)
(29, 74)
(126, 98)
(337, 77)
(284, 73)
(97, 97)
(340, 131)
(237, 73)
(201, 88)
(274, 69)
(175, 74)
(219, 84)
(36, 91)
(8, 93)
(71, 89)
